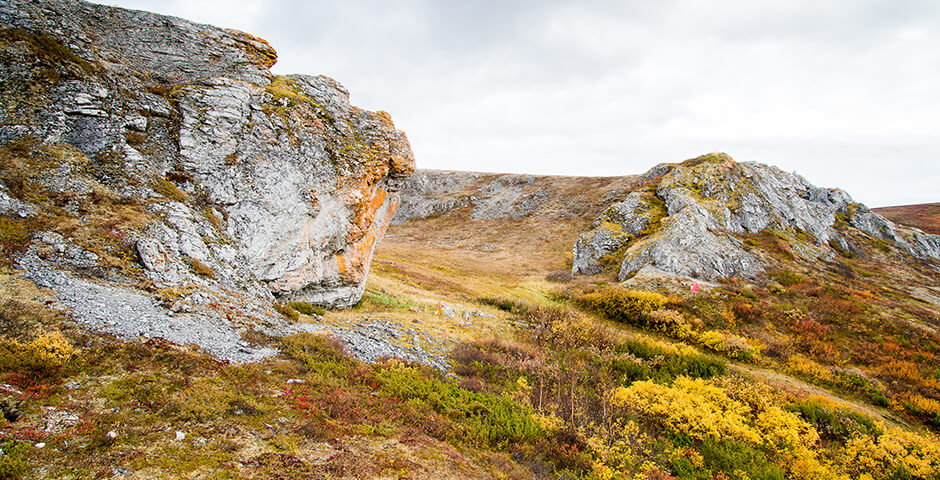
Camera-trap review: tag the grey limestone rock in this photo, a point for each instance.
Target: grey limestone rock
(711, 202)
(488, 196)
(614, 229)
(267, 183)
(199, 187)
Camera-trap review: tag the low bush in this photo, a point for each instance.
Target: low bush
(923, 408)
(288, 312)
(314, 350)
(13, 459)
(832, 423)
(787, 278)
(46, 354)
(627, 306)
(670, 361)
(671, 323)
(894, 454)
(306, 308)
(733, 346)
(200, 268)
(480, 419)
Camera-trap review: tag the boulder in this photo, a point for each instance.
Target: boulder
(255, 182)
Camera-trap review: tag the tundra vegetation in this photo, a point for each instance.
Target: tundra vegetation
(802, 374)
(595, 381)
(813, 370)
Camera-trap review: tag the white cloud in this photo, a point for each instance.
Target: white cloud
(842, 91)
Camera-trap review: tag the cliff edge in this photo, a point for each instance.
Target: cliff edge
(162, 158)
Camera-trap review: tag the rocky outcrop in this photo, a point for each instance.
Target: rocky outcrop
(223, 181)
(711, 203)
(494, 196)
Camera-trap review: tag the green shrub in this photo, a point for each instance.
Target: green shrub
(306, 308)
(862, 386)
(480, 419)
(13, 459)
(670, 363)
(726, 456)
(834, 424)
(787, 278)
(288, 312)
(315, 350)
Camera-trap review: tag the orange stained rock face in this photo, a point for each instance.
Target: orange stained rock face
(258, 49)
(353, 264)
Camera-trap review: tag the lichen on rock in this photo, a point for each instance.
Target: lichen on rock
(252, 186)
(712, 203)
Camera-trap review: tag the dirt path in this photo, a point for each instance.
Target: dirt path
(790, 383)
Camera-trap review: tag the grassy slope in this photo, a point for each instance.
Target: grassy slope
(847, 324)
(925, 216)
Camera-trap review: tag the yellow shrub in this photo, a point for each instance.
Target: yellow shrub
(926, 405)
(719, 410)
(803, 366)
(671, 323)
(623, 446)
(46, 352)
(728, 344)
(705, 409)
(550, 423)
(627, 306)
(893, 453)
(690, 406)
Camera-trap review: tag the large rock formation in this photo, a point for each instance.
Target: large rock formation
(258, 177)
(691, 219)
(168, 152)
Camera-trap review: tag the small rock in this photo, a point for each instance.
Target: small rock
(10, 389)
(40, 445)
(445, 310)
(180, 436)
(112, 435)
(295, 380)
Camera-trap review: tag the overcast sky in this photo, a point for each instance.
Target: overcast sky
(846, 93)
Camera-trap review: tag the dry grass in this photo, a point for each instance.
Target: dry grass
(925, 216)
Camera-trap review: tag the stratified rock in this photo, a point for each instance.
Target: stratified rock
(711, 203)
(613, 230)
(488, 196)
(258, 184)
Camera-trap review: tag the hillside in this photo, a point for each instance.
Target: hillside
(211, 271)
(925, 216)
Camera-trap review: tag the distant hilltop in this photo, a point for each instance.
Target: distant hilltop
(700, 219)
(709, 217)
